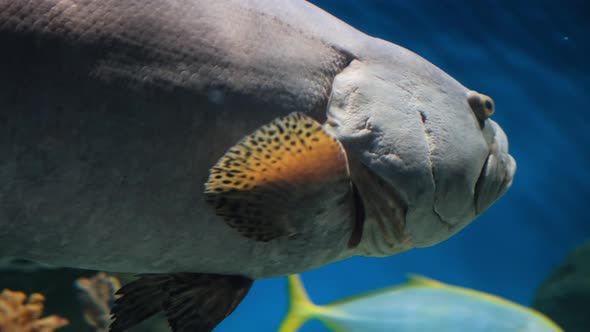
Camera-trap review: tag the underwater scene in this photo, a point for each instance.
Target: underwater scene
(283, 165)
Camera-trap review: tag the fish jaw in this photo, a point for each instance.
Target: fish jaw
(411, 127)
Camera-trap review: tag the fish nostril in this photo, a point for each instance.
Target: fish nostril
(481, 105)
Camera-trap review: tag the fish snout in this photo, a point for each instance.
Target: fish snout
(497, 172)
(499, 166)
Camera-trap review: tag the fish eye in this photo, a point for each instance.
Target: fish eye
(481, 105)
(489, 106)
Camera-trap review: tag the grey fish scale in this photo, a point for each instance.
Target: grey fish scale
(118, 133)
(162, 43)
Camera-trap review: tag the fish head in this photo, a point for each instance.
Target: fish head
(423, 152)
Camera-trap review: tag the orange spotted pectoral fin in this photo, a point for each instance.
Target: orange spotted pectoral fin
(256, 185)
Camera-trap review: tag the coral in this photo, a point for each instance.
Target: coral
(98, 295)
(19, 314)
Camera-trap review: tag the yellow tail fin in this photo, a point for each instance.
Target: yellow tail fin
(301, 309)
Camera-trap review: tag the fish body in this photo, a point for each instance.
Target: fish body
(113, 113)
(181, 139)
(421, 304)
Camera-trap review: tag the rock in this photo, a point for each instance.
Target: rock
(565, 295)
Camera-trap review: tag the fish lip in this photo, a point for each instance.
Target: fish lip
(384, 210)
(497, 171)
(493, 181)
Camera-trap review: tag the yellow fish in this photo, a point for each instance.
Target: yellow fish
(420, 305)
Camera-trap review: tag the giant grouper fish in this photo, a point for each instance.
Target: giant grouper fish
(207, 144)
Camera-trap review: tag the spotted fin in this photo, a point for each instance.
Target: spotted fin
(192, 302)
(259, 181)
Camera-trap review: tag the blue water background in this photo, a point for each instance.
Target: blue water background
(532, 57)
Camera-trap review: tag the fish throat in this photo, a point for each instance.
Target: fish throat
(383, 219)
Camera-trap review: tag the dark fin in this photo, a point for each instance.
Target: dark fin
(140, 299)
(255, 184)
(199, 302)
(192, 302)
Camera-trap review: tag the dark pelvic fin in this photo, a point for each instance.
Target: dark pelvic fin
(255, 186)
(192, 302)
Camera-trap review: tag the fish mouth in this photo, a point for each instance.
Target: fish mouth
(496, 174)
(380, 214)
